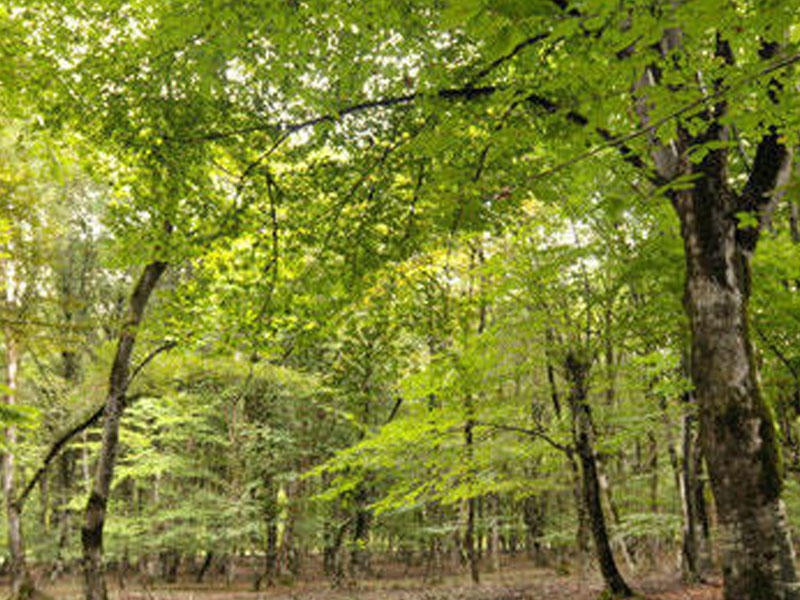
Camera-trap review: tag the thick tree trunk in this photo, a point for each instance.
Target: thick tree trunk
(577, 372)
(92, 531)
(737, 431)
(21, 582)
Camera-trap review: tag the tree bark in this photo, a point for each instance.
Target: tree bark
(577, 372)
(92, 530)
(737, 430)
(204, 567)
(359, 553)
(582, 532)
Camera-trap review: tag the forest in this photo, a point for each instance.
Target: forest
(399, 299)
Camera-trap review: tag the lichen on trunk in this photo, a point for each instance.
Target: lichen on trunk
(737, 431)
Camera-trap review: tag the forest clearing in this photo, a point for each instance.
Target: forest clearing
(515, 582)
(402, 299)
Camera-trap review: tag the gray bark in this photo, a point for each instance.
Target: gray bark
(737, 431)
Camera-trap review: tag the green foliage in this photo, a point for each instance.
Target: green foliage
(388, 224)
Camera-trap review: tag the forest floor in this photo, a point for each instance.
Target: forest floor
(510, 584)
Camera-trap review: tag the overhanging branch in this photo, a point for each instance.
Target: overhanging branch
(534, 433)
(60, 444)
(147, 359)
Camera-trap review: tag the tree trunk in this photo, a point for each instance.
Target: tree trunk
(701, 508)
(289, 556)
(469, 532)
(607, 500)
(92, 531)
(469, 542)
(533, 515)
(737, 431)
(582, 534)
(577, 372)
(204, 567)
(359, 553)
(66, 469)
(21, 582)
(684, 473)
(494, 532)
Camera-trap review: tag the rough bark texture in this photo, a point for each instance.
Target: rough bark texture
(92, 531)
(577, 372)
(737, 432)
(736, 429)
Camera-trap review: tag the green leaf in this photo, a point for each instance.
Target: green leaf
(746, 220)
(460, 12)
(523, 9)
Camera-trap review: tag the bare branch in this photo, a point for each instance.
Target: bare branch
(59, 445)
(535, 433)
(138, 369)
(55, 450)
(283, 129)
(620, 141)
(507, 57)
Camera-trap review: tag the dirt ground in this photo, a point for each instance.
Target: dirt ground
(509, 584)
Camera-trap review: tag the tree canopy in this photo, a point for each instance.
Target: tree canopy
(418, 280)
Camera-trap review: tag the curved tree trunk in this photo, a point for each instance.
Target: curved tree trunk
(92, 531)
(577, 373)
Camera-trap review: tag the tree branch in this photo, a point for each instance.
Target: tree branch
(535, 433)
(55, 450)
(780, 355)
(771, 170)
(59, 445)
(138, 369)
(283, 129)
(507, 57)
(619, 142)
(395, 409)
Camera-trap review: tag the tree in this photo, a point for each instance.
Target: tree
(391, 129)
